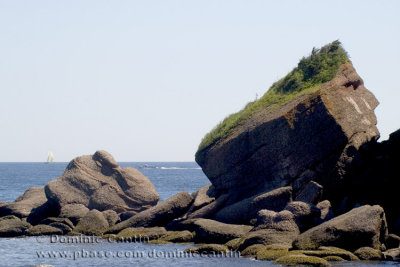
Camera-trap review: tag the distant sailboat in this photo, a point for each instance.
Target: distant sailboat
(50, 157)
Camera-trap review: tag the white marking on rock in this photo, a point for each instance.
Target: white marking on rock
(366, 103)
(366, 121)
(351, 101)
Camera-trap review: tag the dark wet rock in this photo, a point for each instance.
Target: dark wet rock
(97, 182)
(11, 226)
(159, 215)
(32, 198)
(243, 211)
(210, 231)
(42, 229)
(93, 223)
(182, 224)
(363, 226)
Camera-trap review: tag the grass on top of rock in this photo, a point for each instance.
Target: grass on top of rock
(321, 66)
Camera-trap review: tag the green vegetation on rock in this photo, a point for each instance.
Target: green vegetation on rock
(296, 260)
(312, 71)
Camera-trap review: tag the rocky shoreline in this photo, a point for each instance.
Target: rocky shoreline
(305, 183)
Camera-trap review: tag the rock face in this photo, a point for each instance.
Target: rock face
(12, 226)
(361, 227)
(159, 215)
(22, 207)
(243, 211)
(316, 133)
(210, 231)
(97, 182)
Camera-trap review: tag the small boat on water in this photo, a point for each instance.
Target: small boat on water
(50, 157)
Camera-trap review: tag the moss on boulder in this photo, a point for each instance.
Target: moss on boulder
(368, 254)
(296, 260)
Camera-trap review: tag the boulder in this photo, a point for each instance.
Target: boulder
(178, 236)
(311, 193)
(32, 198)
(159, 215)
(182, 224)
(140, 234)
(203, 197)
(209, 210)
(326, 211)
(93, 223)
(305, 214)
(214, 249)
(361, 227)
(210, 231)
(65, 228)
(268, 237)
(281, 221)
(42, 229)
(288, 132)
(243, 211)
(64, 221)
(11, 226)
(392, 254)
(111, 217)
(368, 254)
(97, 182)
(74, 212)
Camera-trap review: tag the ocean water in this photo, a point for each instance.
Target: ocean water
(169, 178)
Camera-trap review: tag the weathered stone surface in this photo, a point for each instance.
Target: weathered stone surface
(51, 220)
(74, 212)
(159, 215)
(268, 237)
(363, 226)
(243, 211)
(178, 236)
(93, 223)
(368, 254)
(97, 182)
(326, 211)
(210, 231)
(305, 214)
(203, 197)
(42, 229)
(209, 210)
(281, 221)
(12, 226)
(311, 193)
(141, 234)
(215, 249)
(111, 217)
(321, 132)
(127, 214)
(392, 254)
(65, 228)
(32, 198)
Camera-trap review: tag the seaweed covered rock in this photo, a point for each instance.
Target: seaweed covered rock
(11, 226)
(97, 182)
(313, 121)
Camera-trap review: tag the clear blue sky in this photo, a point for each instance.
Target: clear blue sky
(146, 80)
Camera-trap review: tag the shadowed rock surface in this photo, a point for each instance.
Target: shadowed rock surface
(97, 182)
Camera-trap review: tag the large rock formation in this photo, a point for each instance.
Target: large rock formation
(97, 182)
(314, 136)
(22, 207)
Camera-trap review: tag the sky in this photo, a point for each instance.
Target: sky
(146, 80)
